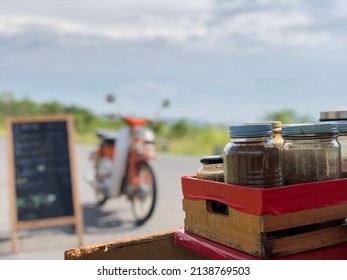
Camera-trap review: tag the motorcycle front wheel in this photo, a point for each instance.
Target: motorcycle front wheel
(144, 197)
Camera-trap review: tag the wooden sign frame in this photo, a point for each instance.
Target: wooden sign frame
(76, 219)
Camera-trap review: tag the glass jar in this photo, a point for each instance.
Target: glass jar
(342, 138)
(339, 118)
(212, 168)
(252, 158)
(311, 153)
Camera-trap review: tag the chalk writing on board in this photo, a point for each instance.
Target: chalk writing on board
(42, 170)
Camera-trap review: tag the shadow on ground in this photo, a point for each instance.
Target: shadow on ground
(97, 218)
(96, 221)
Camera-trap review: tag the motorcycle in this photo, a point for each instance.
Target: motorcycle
(122, 167)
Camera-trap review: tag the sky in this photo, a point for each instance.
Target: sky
(221, 61)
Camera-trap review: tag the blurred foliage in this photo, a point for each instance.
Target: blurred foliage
(203, 140)
(161, 128)
(180, 128)
(180, 136)
(84, 120)
(287, 116)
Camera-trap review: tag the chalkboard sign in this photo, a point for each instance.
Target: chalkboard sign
(42, 171)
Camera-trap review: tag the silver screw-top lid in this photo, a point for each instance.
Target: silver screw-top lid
(304, 129)
(333, 116)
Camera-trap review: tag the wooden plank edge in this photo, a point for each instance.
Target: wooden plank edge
(78, 253)
(305, 242)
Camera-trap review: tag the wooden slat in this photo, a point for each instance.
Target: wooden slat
(301, 218)
(305, 242)
(12, 189)
(54, 222)
(73, 170)
(247, 232)
(157, 246)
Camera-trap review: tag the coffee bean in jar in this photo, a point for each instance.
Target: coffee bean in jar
(212, 168)
(252, 158)
(311, 153)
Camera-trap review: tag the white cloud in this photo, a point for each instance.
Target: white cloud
(149, 28)
(339, 9)
(274, 28)
(268, 23)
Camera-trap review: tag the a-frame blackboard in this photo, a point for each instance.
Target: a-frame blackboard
(42, 167)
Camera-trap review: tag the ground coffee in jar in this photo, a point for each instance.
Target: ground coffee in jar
(311, 153)
(252, 158)
(212, 168)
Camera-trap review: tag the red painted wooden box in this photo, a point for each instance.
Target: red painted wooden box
(267, 223)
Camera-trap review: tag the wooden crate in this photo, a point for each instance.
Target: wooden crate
(156, 246)
(265, 235)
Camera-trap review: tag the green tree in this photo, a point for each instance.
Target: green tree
(287, 116)
(27, 107)
(52, 107)
(180, 128)
(160, 128)
(83, 120)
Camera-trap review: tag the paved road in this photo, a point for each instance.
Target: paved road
(111, 222)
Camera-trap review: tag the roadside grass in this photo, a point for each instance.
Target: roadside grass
(2, 127)
(88, 138)
(197, 141)
(200, 142)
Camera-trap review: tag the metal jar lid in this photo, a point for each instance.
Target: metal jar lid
(313, 128)
(333, 116)
(341, 125)
(216, 159)
(251, 130)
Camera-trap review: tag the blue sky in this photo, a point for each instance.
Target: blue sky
(219, 61)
